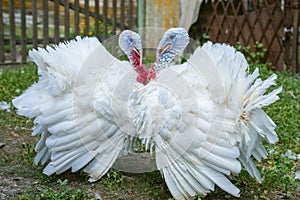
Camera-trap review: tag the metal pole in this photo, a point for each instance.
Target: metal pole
(141, 13)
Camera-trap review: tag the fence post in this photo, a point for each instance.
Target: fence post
(56, 21)
(13, 52)
(2, 57)
(130, 15)
(67, 20)
(86, 17)
(23, 31)
(96, 19)
(45, 23)
(77, 20)
(122, 15)
(34, 24)
(141, 13)
(114, 17)
(105, 8)
(295, 42)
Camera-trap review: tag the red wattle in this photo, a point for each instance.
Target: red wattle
(139, 68)
(152, 73)
(142, 71)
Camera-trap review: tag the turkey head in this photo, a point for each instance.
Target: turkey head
(130, 43)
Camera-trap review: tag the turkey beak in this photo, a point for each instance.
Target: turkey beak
(166, 47)
(139, 53)
(136, 50)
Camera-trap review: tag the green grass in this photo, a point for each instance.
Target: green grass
(63, 192)
(278, 172)
(12, 84)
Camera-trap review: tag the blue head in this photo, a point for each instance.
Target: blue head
(130, 43)
(173, 42)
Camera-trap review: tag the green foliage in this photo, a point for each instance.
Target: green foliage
(203, 39)
(113, 178)
(279, 171)
(13, 82)
(28, 152)
(63, 192)
(154, 184)
(255, 55)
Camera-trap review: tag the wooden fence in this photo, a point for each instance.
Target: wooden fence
(272, 23)
(29, 24)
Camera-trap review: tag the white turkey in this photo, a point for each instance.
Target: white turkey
(88, 107)
(228, 117)
(76, 125)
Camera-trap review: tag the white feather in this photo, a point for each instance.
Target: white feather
(74, 134)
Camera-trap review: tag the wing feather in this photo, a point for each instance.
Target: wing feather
(76, 123)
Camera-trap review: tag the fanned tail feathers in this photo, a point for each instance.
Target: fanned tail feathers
(245, 97)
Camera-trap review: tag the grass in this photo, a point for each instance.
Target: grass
(17, 171)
